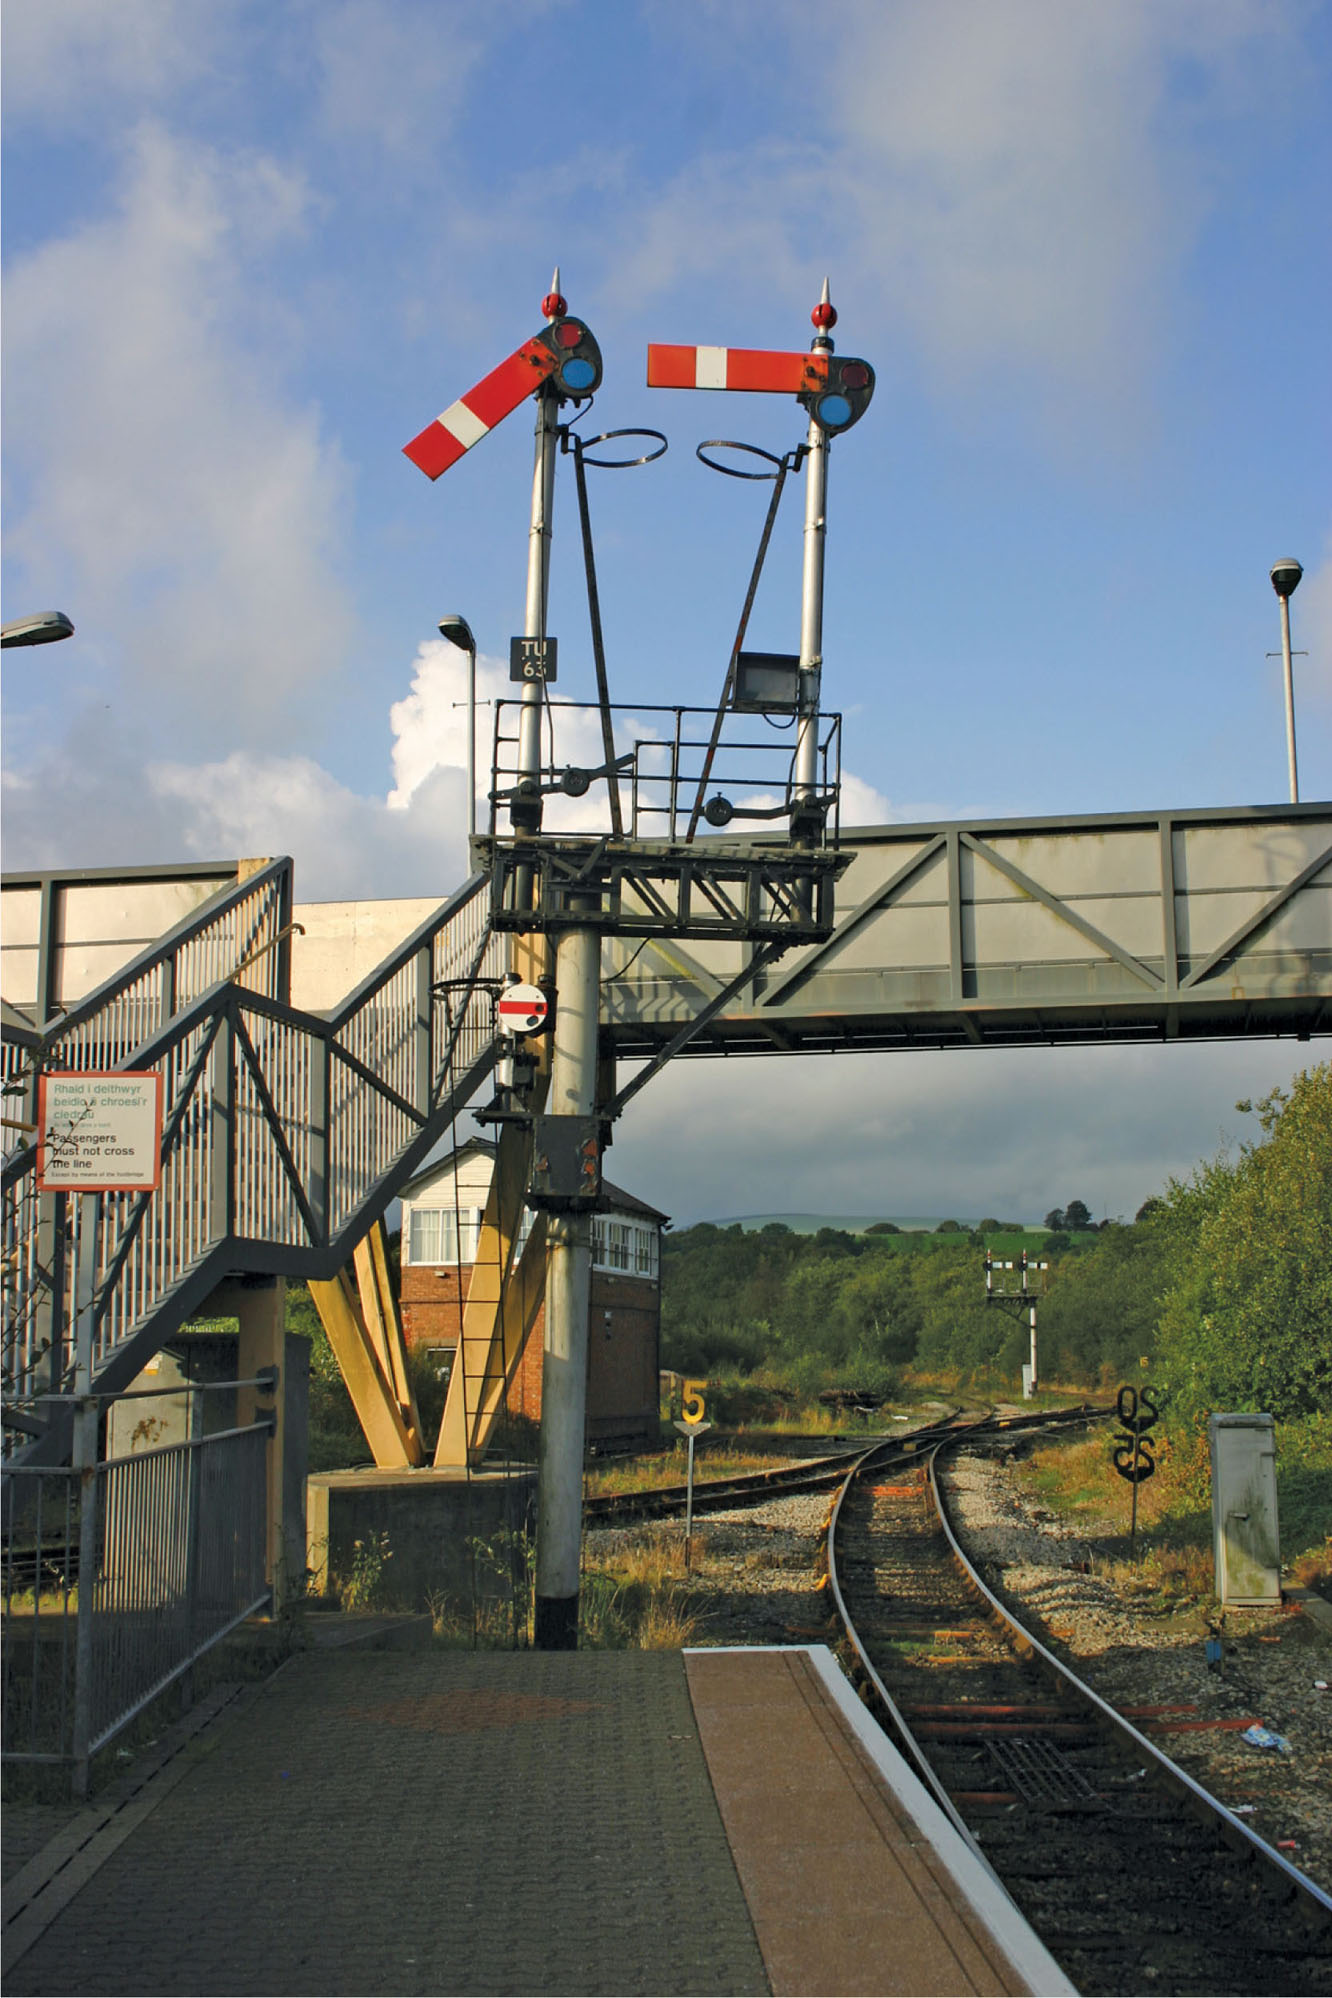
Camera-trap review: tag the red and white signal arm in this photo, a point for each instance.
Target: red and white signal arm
(565, 353)
(523, 1009)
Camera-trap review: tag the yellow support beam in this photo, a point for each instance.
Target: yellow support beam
(504, 1297)
(379, 1311)
(492, 1338)
(396, 1444)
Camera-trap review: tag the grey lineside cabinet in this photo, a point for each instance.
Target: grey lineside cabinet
(1245, 1537)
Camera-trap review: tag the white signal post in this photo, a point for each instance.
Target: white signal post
(573, 1086)
(537, 365)
(824, 317)
(1026, 1295)
(554, 307)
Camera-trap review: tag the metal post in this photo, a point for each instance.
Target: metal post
(85, 1465)
(1290, 701)
(811, 607)
(573, 1086)
(1285, 579)
(538, 558)
(471, 743)
(811, 582)
(1033, 1346)
(689, 1506)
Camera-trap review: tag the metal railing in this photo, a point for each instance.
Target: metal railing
(239, 936)
(118, 1579)
(284, 1137)
(668, 766)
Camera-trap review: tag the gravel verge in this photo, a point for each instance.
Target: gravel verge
(756, 1572)
(1136, 1648)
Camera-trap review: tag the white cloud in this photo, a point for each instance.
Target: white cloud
(391, 76)
(430, 722)
(862, 805)
(1013, 184)
(430, 733)
(163, 487)
(63, 55)
(93, 800)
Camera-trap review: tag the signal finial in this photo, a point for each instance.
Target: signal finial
(824, 315)
(554, 305)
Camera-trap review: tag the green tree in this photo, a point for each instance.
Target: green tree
(877, 1308)
(957, 1328)
(1246, 1321)
(1100, 1317)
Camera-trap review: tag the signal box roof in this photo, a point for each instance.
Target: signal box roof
(614, 1197)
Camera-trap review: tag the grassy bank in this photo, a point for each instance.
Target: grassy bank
(1174, 1549)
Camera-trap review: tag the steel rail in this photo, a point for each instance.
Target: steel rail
(865, 1665)
(714, 1494)
(1169, 1771)
(1237, 1834)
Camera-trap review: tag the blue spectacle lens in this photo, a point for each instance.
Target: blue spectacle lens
(834, 411)
(577, 374)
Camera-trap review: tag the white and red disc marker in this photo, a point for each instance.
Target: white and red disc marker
(523, 1009)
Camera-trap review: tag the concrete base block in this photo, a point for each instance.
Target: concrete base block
(425, 1536)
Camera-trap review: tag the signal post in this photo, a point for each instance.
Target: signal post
(575, 888)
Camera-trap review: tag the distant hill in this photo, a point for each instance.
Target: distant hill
(854, 1224)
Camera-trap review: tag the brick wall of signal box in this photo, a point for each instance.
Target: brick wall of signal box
(623, 1353)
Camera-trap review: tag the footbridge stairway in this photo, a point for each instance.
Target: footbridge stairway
(285, 1134)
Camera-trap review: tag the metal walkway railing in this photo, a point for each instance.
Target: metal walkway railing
(285, 1136)
(240, 936)
(117, 1579)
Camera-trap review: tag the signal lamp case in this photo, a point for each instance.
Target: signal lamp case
(566, 1164)
(1245, 1536)
(767, 683)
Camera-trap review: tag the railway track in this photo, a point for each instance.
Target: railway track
(753, 1487)
(1132, 1875)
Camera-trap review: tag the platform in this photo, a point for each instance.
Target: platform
(425, 1820)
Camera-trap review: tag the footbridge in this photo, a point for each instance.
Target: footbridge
(288, 1132)
(1198, 925)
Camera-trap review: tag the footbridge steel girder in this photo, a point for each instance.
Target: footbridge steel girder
(1190, 925)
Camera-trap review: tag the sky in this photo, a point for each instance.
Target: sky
(251, 249)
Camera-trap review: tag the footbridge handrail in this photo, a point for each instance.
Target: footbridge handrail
(240, 934)
(285, 1136)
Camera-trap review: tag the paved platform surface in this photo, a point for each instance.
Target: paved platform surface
(855, 1881)
(428, 1821)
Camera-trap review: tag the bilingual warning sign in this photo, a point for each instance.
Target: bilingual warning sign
(99, 1132)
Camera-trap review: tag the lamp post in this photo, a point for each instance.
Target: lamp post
(43, 629)
(459, 632)
(1285, 581)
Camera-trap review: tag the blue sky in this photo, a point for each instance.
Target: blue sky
(251, 249)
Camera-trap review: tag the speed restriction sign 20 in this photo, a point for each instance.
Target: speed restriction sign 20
(523, 1009)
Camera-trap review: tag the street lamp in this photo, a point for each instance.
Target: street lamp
(43, 629)
(459, 632)
(1285, 581)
